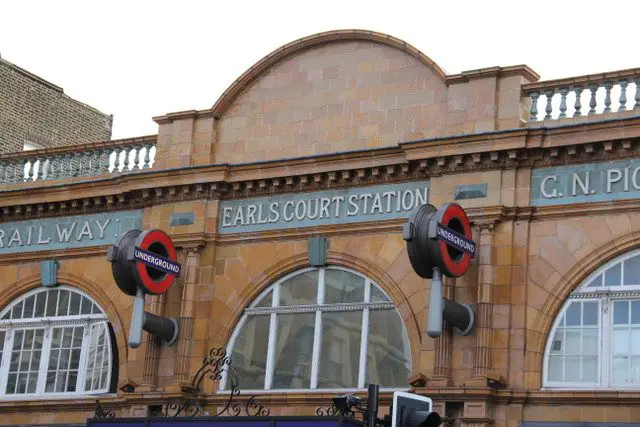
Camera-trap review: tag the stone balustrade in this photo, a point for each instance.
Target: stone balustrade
(131, 155)
(594, 94)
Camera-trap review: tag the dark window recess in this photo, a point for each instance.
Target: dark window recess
(113, 387)
(472, 191)
(154, 411)
(183, 218)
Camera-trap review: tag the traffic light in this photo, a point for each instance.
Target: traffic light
(412, 410)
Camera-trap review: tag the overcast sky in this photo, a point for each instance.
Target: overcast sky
(137, 59)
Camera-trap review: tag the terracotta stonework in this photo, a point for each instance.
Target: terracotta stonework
(353, 109)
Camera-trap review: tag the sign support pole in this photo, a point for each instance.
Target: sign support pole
(434, 328)
(137, 320)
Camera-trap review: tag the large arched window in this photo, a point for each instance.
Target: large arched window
(326, 328)
(595, 342)
(54, 342)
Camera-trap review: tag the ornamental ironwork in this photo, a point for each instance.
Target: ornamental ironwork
(213, 367)
(100, 412)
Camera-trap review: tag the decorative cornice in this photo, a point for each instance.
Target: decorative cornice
(514, 70)
(339, 170)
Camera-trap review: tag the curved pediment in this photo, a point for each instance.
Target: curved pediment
(316, 40)
(332, 92)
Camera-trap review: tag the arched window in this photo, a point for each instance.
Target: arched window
(326, 328)
(595, 342)
(54, 342)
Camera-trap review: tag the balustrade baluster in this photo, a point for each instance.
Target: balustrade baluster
(118, 162)
(548, 109)
(39, 170)
(72, 165)
(123, 160)
(102, 153)
(637, 97)
(3, 171)
(11, 172)
(109, 151)
(578, 105)
(563, 102)
(21, 166)
(80, 170)
(607, 97)
(130, 159)
(46, 165)
(139, 156)
(21, 171)
(66, 166)
(592, 102)
(29, 166)
(100, 163)
(14, 166)
(35, 170)
(94, 161)
(623, 95)
(54, 166)
(79, 163)
(88, 164)
(146, 163)
(533, 114)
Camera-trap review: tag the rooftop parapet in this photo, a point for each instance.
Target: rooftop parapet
(583, 98)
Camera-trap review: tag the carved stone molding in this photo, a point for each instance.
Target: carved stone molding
(485, 225)
(192, 248)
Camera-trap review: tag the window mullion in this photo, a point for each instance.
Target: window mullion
(363, 348)
(82, 364)
(364, 342)
(317, 332)
(6, 361)
(273, 336)
(271, 350)
(606, 361)
(44, 360)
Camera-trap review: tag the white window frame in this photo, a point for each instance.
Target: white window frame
(319, 308)
(48, 324)
(605, 296)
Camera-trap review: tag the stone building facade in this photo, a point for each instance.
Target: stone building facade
(341, 136)
(37, 112)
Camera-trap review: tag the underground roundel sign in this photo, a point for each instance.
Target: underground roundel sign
(144, 260)
(439, 238)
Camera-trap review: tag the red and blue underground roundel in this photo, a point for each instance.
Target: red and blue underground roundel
(156, 261)
(456, 247)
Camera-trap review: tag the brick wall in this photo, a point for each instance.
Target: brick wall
(35, 110)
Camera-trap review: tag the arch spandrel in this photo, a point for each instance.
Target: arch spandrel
(337, 91)
(604, 243)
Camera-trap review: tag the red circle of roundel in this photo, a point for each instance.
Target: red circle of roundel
(144, 241)
(456, 268)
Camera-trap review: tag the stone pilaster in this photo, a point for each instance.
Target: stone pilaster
(442, 345)
(484, 312)
(181, 368)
